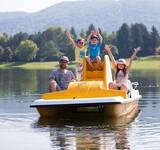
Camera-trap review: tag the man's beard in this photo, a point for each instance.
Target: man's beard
(62, 66)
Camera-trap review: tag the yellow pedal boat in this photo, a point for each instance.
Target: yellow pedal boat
(91, 92)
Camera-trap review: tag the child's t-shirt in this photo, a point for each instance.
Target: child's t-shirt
(80, 54)
(94, 50)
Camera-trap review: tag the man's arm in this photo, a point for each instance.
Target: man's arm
(52, 82)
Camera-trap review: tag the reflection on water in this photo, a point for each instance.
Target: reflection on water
(88, 131)
(18, 122)
(17, 81)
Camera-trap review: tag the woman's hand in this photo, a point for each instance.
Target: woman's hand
(137, 49)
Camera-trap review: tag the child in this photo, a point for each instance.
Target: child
(80, 53)
(122, 69)
(95, 41)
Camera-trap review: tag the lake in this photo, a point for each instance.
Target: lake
(22, 129)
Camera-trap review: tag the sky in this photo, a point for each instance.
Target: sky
(27, 5)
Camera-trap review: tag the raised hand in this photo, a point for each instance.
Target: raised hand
(93, 32)
(107, 47)
(137, 49)
(68, 34)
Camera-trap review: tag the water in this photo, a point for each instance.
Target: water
(21, 128)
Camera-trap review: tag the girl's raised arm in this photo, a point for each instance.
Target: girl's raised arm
(107, 48)
(71, 39)
(136, 50)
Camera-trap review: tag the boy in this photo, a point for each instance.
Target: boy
(95, 41)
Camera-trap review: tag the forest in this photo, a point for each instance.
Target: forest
(50, 44)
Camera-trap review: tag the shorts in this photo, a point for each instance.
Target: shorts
(94, 58)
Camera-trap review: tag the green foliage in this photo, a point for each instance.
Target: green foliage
(158, 50)
(8, 54)
(155, 40)
(26, 51)
(50, 50)
(124, 41)
(15, 40)
(53, 42)
(90, 28)
(3, 39)
(82, 34)
(1, 53)
(73, 33)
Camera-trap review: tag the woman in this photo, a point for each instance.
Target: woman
(122, 69)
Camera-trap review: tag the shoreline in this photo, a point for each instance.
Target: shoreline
(142, 63)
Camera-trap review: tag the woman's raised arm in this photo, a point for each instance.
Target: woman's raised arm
(136, 50)
(107, 48)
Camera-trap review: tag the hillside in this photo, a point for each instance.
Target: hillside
(108, 14)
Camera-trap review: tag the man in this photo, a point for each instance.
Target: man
(59, 79)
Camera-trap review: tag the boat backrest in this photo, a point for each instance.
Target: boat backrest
(104, 74)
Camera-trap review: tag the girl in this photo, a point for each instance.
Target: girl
(122, 69)
(80, 53)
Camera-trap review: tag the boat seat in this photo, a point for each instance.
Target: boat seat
(88, 68)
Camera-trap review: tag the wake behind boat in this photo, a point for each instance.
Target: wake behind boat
(92, 91)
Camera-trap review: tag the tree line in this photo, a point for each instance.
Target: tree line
(50, 44)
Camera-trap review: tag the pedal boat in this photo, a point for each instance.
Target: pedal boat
(91, 92)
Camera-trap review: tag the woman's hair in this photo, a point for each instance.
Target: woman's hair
(124, 71)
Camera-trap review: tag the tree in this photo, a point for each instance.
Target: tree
(26, 51)
(146, 47)
(137, 36)
(158, 50)
(15, 40)
(52, 34)
(3, 39)
(8, 54)
(155, 39)
(141, 37)
(82, 34)
(73, 32)
(90, 28)
(1, 53)
(38, 38)
(50, 51)
(124, 41)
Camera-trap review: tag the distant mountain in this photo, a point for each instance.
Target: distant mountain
(107, 14)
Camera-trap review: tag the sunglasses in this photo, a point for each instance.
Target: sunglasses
(81, 42)
(63, 61)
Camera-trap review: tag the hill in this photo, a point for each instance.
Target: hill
(107, 14)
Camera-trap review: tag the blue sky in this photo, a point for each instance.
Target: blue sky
(27, 5)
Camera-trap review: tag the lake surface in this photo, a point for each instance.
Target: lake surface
(22, 129)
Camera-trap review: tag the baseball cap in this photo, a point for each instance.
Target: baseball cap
(94, 36)
(64, 58)
(121, 61)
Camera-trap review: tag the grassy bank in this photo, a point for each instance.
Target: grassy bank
(32, 65)
(147, 63)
